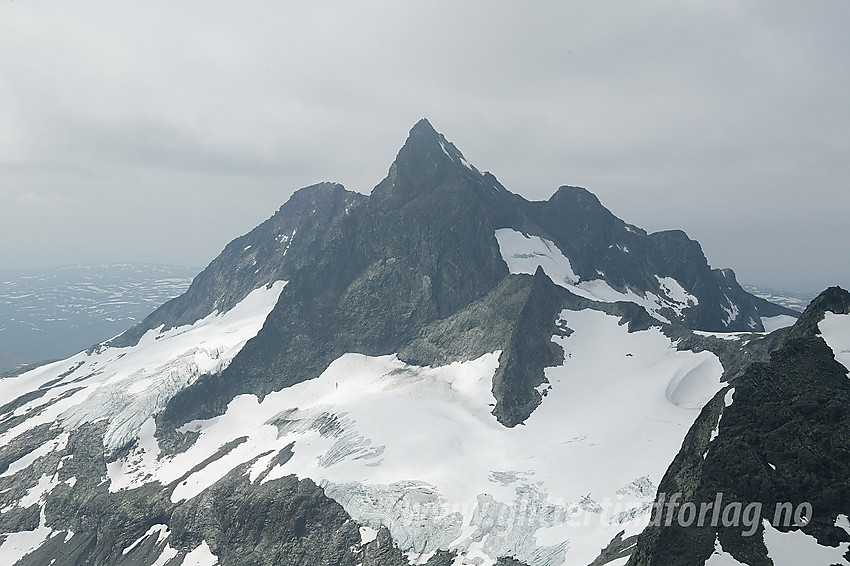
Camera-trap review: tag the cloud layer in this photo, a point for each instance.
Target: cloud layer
(156, 131)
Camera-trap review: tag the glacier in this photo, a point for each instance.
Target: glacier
(417, 450)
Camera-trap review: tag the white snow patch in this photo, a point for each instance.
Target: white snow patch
(58, 443)
(727, 401)
(35, 494)
(842, 522)
(62, 461)
(731, 313)
(674, 290)
(796, 547)
(724, 335)
(524, 254)
(17, 545)
(446, 151)
(260, 466)
(835, 331)
(720, 557)
(463, 160)
(714, 434)
(167, 554)
(467, 164)
(160, 530)
(772, 323)
(367, 535)
(201, 556)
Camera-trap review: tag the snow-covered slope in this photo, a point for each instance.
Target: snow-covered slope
(835, 330)
(417, 450)
(443, 475)
(126, 386)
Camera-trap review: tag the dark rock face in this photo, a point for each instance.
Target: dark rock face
(528, 351)
(784, 439)
(518, 318)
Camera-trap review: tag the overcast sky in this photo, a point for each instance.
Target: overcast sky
(159, 131)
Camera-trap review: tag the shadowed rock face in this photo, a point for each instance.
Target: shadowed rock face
(784, 438)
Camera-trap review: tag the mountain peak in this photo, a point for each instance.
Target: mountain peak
(427, 160)
(575, 194)
(423, 126)
(834, 299)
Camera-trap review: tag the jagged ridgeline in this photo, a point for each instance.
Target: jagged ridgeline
(441, 372)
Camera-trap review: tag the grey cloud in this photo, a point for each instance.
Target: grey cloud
(181, 125)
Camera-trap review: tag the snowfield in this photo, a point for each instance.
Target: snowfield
(772, 323)
(796, 547)
(835, 330)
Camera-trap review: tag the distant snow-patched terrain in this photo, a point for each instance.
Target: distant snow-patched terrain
(55, 313)
(795, 301)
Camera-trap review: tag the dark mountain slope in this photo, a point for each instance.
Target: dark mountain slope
(784, 438)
